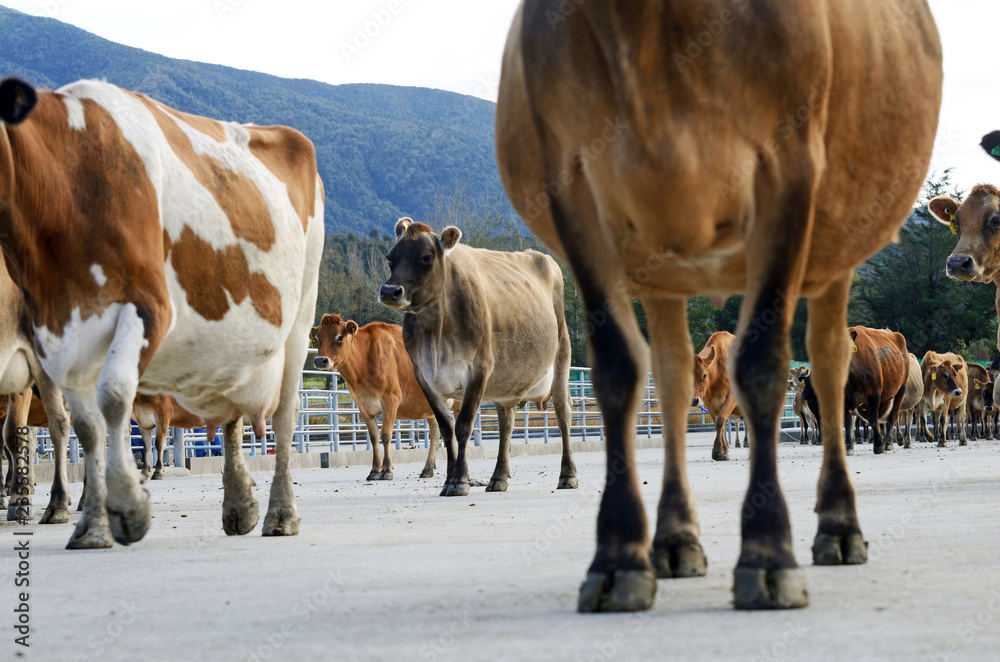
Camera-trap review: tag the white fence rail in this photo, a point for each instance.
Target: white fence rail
(329, 420)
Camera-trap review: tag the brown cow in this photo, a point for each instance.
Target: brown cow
(797, 383)
(876, 381)
(912, 397)
(945, 388)
(769, 163)
(144, 240)
(379, 374)
(979, 404)
(711, 388)
(481, 324)
(162, 412)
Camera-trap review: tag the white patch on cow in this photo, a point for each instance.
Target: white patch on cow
(120, 375)
(74, 359)
(74, 108)
(98, 273)
(543, 387)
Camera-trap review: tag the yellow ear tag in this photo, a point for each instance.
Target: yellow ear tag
(854, 347)
(933, 375)
(802, 381)
(954, 228)
(977, 387)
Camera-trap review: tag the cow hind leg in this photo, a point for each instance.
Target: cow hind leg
(57, 512)
(239, 507)
(147, 451)
(93, 530)
(676, 551)
(432, 441)
(563, 407)
(838, 537)
(387, 431)
(501, 472)
(374, 437)
(16, 438)
(162, 426)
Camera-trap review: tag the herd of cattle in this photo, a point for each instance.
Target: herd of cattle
(143, 244)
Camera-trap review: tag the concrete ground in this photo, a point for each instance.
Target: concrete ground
(391, 571)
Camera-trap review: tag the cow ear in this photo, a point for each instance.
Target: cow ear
(402, 224)
(943, 209)
(854, 335)
(350, 328)
(710, 359)
(17, 100)
(991, 143)
(450, 237)
(327, 320)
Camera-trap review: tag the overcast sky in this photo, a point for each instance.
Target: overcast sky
(456, 45)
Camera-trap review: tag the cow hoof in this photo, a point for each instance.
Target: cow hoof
(55, 515)
(624, 590)
(455, 489)
(850, 451)
(878, 448)
(963, 443)
(720, 457)
(428, 472)
(850, 549)
(281, 522)
(91, 533)
(497, 485)
(907, 445)
(758, 588)
(568, 483)
(239, 516)
(130, 522)
(817, 443)
(374, 475)
(679, 556)
(385, 475)
(941, 444)
(20, 513)
(4, 502)
(157, 475)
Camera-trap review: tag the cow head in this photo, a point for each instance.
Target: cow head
(702, 374)
(977, 224)
(416, 264)
(941, 376)
(987, 389)
(334, 339)
(797, 378)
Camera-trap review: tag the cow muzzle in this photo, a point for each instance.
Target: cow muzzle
(962, 267)
(696, 402)
(321, 363)
(956, 393)
(392, 296)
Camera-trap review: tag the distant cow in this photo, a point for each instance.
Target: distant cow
(162, 412)
(480, 325)
(768, 163)
(379, 374)
(945, 388)
(161, 252)
(797, 383)
(711, 388)
(876, 380)
(912, 397)
(979, 403)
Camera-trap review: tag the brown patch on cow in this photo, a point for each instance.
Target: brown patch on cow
(236, 194)
(211, 128)
(207, 274)
(414, 230)
(290, 157)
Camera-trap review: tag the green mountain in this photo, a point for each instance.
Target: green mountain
(384, 151)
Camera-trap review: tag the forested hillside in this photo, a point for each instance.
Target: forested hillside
(383, 151)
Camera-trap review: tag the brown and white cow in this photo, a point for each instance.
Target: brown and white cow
(481, 325)
(913, 395)
(379, 374)
(757, 165)
(148, 244)
(945, 388)
(711, 388)
(19, 370)
(979, 403)
(797, 383)
(162, 412)
(876, 382)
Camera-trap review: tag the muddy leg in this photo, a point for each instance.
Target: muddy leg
(240, 511)
(374, 437)
(92, 531)
(720, 449)
(147, 451)
(838, 537)
(676, 551)
(562, 404)
(501, 473)
(388, 429)
(458, 475)
(161, 443)
(17, 438)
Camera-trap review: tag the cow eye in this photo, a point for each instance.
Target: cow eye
(427, 258)
(995, 221)
(389, 260)
(340, 337)
(704, 376)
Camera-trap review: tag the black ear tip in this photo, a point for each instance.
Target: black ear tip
(991, 143)
(17, 100)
